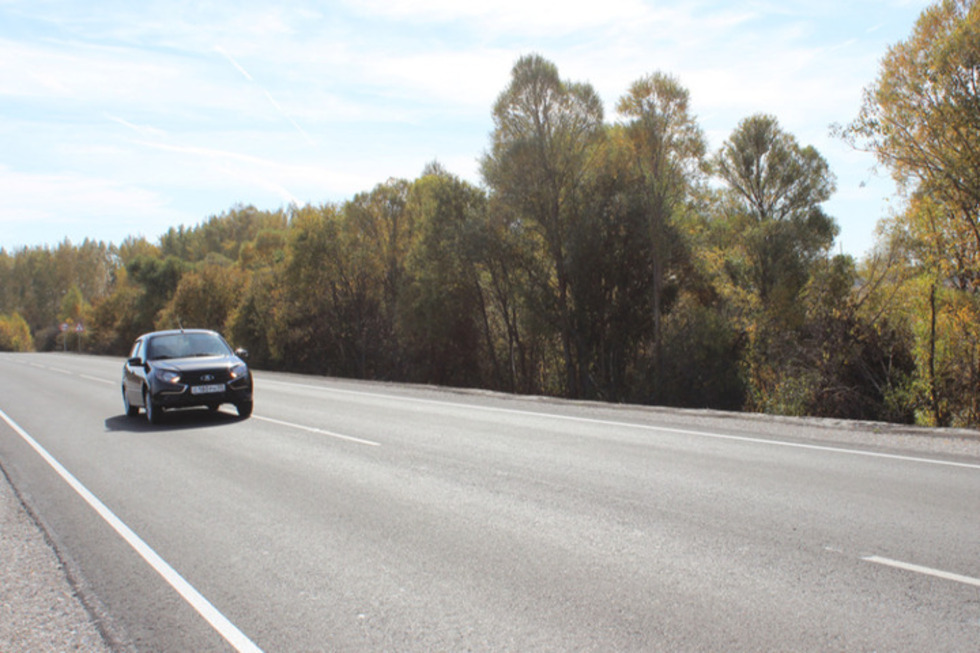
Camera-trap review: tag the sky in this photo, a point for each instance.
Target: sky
(122, 118)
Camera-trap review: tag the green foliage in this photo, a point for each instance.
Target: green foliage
(666, 150)
(545, 131)
(771, 241)
(777, 188)
(702, 354)
(251, 325)
(439, 326)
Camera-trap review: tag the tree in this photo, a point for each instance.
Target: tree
(116, 321)
(776, 231)
(74, 310)
(778, 188)
(921, 119)
(251, 324)
(380, 230)
(205, 297)
(442, 324)
(158, 280)
(505, 263)
(544, 133)
(329, 313)
(668, 150)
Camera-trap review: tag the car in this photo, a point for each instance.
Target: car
(185, 368)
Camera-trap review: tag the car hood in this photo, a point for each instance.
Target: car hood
(198, 363)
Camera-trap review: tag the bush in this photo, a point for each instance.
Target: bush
(15, 335)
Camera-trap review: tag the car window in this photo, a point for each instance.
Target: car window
(186, 345)
(137, 349)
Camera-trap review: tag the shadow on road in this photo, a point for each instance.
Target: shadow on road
(173, 420)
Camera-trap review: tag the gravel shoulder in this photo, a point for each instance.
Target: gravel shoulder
(39, 609)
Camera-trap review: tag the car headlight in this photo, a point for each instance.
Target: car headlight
(239, 371)
(168, 376)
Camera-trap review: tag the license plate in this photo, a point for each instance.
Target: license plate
(207, 389)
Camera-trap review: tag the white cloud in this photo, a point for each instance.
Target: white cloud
(310, 101)
(75, 71)
(520, 17)
(70, 197)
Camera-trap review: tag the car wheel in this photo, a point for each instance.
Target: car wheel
(153, 412)
(244, 409)
(131, 411)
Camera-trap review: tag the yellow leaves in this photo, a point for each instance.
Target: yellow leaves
(15, 335)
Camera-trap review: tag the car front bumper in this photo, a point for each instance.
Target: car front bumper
(179, 395)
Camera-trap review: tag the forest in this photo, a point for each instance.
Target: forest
(615, 261)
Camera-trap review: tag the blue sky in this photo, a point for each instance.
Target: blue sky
(122, 118)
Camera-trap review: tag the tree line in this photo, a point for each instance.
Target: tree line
(619, 261)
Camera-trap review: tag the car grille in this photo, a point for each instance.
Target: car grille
(205, 376)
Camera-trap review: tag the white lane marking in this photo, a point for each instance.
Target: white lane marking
(919, 569)
(313, 429)
(648, 427)
(92, 378)
(589, 420)
(218, 621)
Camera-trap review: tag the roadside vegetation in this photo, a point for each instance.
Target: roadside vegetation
(618, 261)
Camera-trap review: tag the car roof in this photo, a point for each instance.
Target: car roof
(174, 332)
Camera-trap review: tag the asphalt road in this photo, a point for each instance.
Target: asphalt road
(349, 516)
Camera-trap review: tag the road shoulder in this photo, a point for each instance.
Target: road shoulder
(39, 609)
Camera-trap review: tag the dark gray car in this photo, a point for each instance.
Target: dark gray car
(185, 368)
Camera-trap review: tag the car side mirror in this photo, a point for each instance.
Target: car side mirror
(136, 361)
(242, 353)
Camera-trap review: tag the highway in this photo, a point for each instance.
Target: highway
(351, 516)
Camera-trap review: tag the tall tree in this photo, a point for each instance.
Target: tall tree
(778, 231)
(668, 150)
(779, 188)
(380, 229)
(544, 132)
(921, 119)
(610, 272)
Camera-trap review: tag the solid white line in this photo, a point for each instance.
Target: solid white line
(313, 429)
(648, 427)
(919, 569)
(218, 621)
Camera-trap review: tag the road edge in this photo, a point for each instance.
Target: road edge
(43, 602)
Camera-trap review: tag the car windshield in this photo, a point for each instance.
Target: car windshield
(186, 345)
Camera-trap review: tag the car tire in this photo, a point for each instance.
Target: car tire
(244, 409)
(153, 412)
(131, 411)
